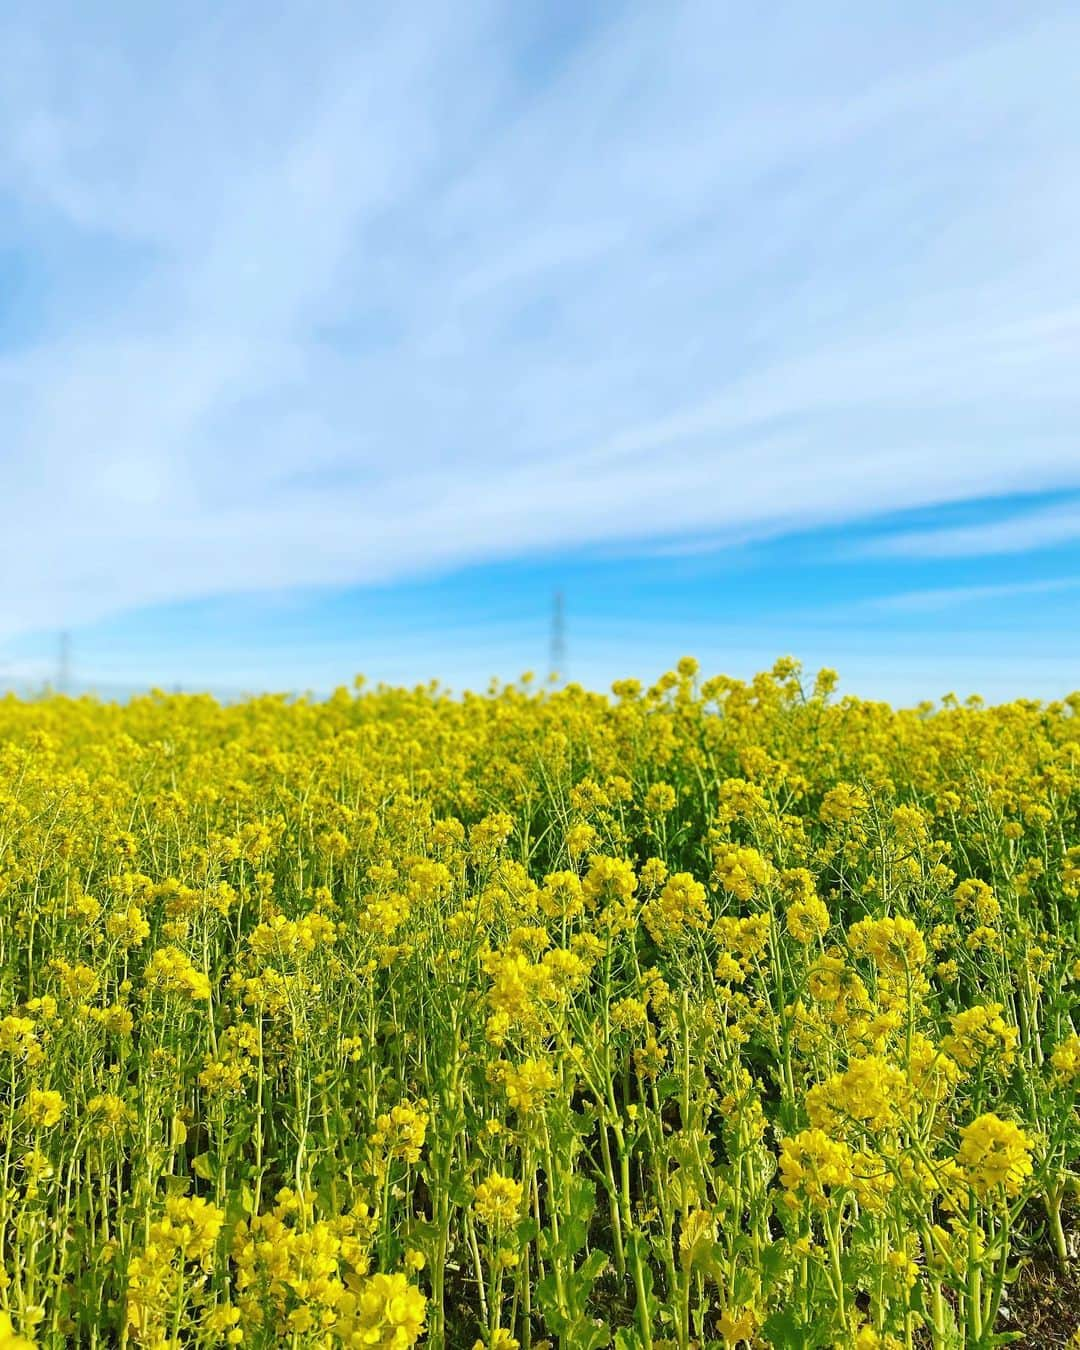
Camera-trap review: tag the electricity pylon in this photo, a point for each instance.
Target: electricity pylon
(558, 639)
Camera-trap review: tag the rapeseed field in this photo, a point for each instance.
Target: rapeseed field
(711, 1014)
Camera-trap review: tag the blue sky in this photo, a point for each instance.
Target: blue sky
(338, 337)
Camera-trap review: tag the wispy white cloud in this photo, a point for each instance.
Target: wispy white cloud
(965, 597)
(1025, 532)
(377, 293)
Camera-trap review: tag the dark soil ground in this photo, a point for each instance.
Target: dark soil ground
(1044, 1305)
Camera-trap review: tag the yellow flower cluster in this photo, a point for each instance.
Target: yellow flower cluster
(995, 1154)
(497, 1201)
(401, 1131)
(711, 1012)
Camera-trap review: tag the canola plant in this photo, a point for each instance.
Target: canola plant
(711, 1014)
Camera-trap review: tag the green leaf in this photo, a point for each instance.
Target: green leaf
(548, 1298)
(422, 1233)
(582, 1199)
(461, 1192)
(637, 1246)
(786, 1330)
(586, 1333)
(774, 1262)
(573, 1235)
(592, 1268)
(201, 1166)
